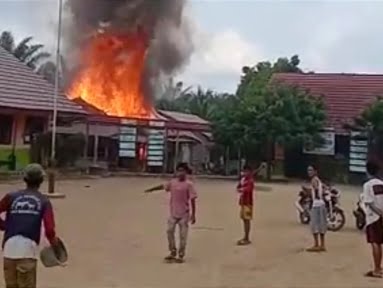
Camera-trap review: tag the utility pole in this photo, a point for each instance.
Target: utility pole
(52, 164)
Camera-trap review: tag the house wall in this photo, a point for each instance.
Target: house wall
(332, 168)
(22, 151)
(200, 156)
(99, 130)
(199, 151)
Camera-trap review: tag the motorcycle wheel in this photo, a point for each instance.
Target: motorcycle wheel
(304, 217)
(338, 220)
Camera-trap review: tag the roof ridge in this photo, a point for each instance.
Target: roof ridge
(331, 74)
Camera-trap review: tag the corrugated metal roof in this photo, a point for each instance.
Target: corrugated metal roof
(183, 117)
(22, 88)
(345, 95)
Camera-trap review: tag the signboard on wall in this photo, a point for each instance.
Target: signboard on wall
(327, 147)
(156, 146)
(127, 141)
(358, 152)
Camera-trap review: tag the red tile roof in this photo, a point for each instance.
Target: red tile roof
(345, 95)
(22, 88)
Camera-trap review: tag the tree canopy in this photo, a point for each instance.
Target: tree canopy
(261, 113)
(371, 121)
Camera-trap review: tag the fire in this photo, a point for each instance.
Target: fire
(111, 74)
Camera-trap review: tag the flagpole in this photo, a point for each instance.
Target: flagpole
(51, 179)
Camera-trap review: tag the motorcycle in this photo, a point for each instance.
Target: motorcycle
(336, 218)
(303, 206)
(359, 214)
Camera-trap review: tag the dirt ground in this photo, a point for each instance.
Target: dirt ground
(116, 238)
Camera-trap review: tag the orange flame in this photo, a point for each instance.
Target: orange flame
(111, 75)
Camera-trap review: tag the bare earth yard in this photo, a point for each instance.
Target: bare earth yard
(116, 238)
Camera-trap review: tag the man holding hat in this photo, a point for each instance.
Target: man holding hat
(25, 211)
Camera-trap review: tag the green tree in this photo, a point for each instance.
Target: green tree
(260, 114)
(270, 113)
(28, 53)
(201, 103)
(371, 118)
(48, 71)
(173, 96)
(254, 80)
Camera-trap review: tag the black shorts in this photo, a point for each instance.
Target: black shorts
(374, 232)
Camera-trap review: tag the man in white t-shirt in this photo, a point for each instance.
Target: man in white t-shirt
(373, 200)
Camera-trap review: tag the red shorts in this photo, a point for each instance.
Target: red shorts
(374, 232)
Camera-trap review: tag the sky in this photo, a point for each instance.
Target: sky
(329, 36)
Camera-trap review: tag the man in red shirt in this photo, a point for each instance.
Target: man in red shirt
(245, 187)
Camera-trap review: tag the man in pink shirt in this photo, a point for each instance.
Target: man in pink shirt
(182, 198)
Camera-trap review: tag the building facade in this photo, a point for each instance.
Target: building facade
(343, 155)
(155, 144)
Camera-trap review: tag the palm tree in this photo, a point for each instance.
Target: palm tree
(28, 53)
(48, 71)
(202, 103)
(173, 96)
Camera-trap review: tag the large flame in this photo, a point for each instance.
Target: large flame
(111, 74)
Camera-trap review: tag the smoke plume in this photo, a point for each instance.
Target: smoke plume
(170, 44)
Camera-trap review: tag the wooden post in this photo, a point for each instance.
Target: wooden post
(227, 156)
(12, 158)
(239, 162)
(95, 149)
(86, 139)
(176, 151)
(165, 153)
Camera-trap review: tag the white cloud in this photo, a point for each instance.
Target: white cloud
(331, 37)
(224, 53)
(219, 57)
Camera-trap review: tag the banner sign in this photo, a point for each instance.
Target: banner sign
(328, 146)
(156, 147)
(128, 139)
(358, 152)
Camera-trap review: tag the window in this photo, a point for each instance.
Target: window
(33, 125)
(6, 124)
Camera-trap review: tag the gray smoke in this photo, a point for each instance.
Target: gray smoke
(171, 40)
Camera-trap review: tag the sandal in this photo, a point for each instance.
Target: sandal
(314, 249)
(170, 258)
(373, 274)
(179, 260)
(322, 249)
(243, 242)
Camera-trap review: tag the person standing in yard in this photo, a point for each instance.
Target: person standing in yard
(182, 211)
(25, 211)
(318, 217)
(373, 200)
(245, 187)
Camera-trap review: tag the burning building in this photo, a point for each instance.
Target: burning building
(119, 50)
